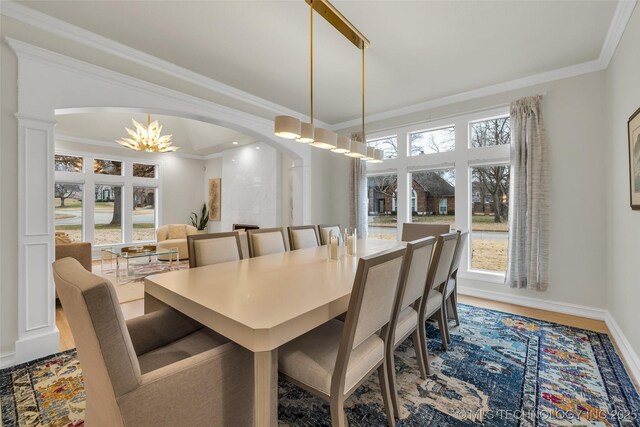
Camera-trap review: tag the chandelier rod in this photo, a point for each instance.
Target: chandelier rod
(339, 22)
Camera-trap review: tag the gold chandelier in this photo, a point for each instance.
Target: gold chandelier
(147, 139)
(292, 128)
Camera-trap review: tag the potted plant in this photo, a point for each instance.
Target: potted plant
(200, 223)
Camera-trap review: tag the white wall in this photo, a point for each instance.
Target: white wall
(251, 186)
(574, 113)
(623, 243)
(181, 179)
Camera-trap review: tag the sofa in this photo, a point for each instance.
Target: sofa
(65, 248)
(174, 236)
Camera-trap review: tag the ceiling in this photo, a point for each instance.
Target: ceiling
(420, 50)
(192, 136)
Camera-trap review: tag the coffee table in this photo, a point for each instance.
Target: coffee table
(135, 262)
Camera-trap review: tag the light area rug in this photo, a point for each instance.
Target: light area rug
(501, 370)
(133, 289)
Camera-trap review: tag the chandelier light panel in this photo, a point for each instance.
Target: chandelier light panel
(147, 138)
(292, 128)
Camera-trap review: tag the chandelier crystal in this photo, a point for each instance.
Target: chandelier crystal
(147, 138)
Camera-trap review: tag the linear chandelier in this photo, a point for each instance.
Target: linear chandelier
(292, 128)
(147, 139)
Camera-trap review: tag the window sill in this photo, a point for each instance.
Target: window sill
(483, 276)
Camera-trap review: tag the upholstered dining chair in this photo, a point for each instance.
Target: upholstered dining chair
(404, 321)
(266, 241)
(432, 303)
(214, 248)
(325, 229)
(413, 231)
(451, 292)
(303, 236)
(162, 368)
(334, 359)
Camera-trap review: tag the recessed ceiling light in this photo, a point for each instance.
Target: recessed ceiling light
(235, 142)
(257, 148)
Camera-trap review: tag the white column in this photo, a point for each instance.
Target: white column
(37, 332)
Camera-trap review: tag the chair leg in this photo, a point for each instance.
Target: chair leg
(454, 303)
(384, 389)
(417, 346)
(338, 417)
(442, 325)
(391, 378)
(422, 339)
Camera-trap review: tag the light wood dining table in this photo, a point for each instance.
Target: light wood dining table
(262, 303)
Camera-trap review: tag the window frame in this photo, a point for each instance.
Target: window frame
(460, 160)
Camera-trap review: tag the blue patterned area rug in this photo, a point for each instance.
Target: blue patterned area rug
(500, 370)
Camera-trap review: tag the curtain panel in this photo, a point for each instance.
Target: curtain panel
(529, 197)
(358, 197)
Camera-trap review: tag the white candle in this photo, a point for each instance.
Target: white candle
(350, 250)
(333, 247)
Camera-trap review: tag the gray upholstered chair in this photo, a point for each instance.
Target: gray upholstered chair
(405, 314)
(333, 360)
(214, 248)
(303, 236)
(325, 229)
(414, 231)
(266, 241)
(432, 303)
(451, 292)
(162, 368)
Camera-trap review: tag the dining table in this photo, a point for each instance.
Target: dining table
(264, 302)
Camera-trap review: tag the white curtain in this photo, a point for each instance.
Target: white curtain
(529, 197)
(358, 197)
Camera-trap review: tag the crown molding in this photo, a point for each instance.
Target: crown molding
(106, 144)
(26, 15)
(619, 22)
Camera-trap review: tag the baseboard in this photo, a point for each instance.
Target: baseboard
(7, 360)
(540, 304)
(631, 359)
(37, 346)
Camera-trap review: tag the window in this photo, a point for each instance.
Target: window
(107, 214)
(490, 217)
(140, 170)
(388, 145)
(121, 201)
(432, 141)
(68, 209)
(486, 133)
(144, 213)
(68, 163)
(453, 171)
(435, 192)
(382, 220)
(107, 167)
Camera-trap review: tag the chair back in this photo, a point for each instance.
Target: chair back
(109, 363)
(266, 241)
(416, 268)
(214, 248)
(455, 264)
(414, 231)
(325, 229)
(302, 236)
(442, 259)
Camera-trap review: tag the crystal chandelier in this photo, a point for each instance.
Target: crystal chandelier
(147, 138)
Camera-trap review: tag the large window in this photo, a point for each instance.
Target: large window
(388, 145)
(382, 195)
(105, 201)
(453, 171)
